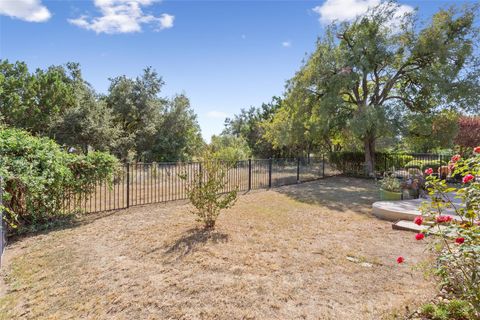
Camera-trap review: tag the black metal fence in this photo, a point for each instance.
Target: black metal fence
(146, 183)
(3, 229)
(398, 164)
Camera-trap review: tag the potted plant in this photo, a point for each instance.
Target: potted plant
(413, 186)
(390, 188)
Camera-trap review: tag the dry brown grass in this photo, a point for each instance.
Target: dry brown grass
(279, 254)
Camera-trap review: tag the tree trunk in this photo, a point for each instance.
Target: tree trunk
(369, 144)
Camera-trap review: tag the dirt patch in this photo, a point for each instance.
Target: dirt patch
(310, 251)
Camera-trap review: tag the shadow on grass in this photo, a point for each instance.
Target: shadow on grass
(193, 239)
(60, 222)
(54, 224)
(335, 193)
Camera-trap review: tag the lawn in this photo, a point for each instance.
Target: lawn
(308, 251)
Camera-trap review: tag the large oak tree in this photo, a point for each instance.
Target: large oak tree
(366, 74)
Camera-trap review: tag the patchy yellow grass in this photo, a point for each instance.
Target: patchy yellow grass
(279, 254)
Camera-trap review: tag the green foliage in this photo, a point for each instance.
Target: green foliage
(353, 162)
(251, 124)
(364, 76)
(177, 135)
(205, 190)
(428, 132)
(398, 161)
(153, 128)
(38, 174)
(391, 184)
(458, 258)
(56, 103)
(229, 148)
(35, 101)
(425, 164)
(132, 121)
(453, 310)
(88, 125)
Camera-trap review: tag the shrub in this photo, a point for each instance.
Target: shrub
(453, 310)
(397, 160)
(391, 184)
(425, 164)
(205, 190)
(457, 240)
(353, 162)
(38, 174)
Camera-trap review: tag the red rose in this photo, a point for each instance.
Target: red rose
(460, 240)
(455, 158)
(429, 171)
(476, 149)
(400, 259)
(418, 220)
(468, 178)
(419, 236)
(442, 219)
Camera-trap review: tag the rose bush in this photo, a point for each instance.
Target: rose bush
(456, 233)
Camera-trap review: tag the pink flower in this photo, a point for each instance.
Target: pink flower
(443, 219)
(418, 220)
(400, 259)
(468, 178)
(476, 149)
(429, 171)
(419, 236)
(456, 157)
(460, 240)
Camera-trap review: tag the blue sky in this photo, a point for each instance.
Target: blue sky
(225, 55)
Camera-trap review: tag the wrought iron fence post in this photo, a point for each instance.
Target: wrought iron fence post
(3, 230)
(269, 172)
(298, 170)
(128, 184)
(385, 156)
(323, 165)
(249, 174)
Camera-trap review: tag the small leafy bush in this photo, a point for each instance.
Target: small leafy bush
(453, 310)
(205, 190)
(38, 175)
(391, 184)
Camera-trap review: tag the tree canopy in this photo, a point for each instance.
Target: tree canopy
(132, 120)
(366, 75)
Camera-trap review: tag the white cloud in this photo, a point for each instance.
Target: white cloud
(286, 44)
(122, 16)
(217, 114)
(28, 10)
(347, 10)
(166, 21)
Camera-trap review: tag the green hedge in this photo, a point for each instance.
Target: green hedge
(37, 174)
(353, 162)
(425, 164)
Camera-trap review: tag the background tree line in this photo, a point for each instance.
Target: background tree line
(132, 121)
